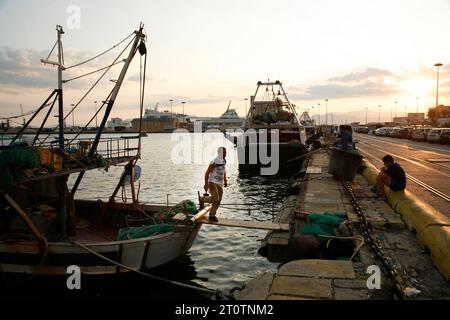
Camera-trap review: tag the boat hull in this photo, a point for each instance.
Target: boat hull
(137, 254)
(286, 158)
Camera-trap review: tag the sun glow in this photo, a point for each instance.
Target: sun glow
(419, 87)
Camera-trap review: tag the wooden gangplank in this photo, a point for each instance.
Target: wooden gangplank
(264, 225)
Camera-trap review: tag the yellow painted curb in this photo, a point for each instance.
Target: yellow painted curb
(437, 240)
(432, 227)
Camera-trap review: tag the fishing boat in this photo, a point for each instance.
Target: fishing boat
(273, 134)
(44, 228)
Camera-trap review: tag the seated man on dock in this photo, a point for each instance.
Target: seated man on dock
(215, 180)
(392, 175)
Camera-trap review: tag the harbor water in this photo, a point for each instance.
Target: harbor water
(220, 257)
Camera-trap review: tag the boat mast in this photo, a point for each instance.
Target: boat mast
(60, 32)
(139, 36)
(60, 65)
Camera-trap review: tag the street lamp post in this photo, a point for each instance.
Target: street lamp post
(96, 124)
(379, 108)
(183, 102)
(171, 113)
(437, 84)
(396, 108)
(366, 115)
(314, 115)
(326, 112)
(246, 99)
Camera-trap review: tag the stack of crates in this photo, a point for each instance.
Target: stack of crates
(48, 156)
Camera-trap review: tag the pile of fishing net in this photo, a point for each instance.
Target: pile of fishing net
(186, 207)
(321, 225)
(13, 162)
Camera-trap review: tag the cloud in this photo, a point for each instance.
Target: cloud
(369, 73)
(22, 68)
(368, 82)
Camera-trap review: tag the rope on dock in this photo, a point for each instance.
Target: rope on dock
(355, 251)
(143, 273)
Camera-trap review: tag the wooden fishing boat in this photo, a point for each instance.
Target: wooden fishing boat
(272, 129)
(44, 229)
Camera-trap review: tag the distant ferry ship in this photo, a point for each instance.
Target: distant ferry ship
(228, 120)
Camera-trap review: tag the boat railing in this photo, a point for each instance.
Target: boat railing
(76, 154)
(108, 148)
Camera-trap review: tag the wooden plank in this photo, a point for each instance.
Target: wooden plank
(264, 225)
(314, 169)
(201, 214)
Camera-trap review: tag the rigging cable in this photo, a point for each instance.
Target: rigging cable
(89, 73)
(100, 54)
(210, 291)
(25, 114)
(143, 51)
(92, 87)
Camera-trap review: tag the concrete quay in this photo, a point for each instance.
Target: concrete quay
(320, 277)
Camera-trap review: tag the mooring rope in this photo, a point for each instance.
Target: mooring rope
(143, 273)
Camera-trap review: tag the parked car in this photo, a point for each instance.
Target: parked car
(434, 134)
(362, 130)
(380, 131)
(389, 131)
(409, 135)
(402, 133)
(393, 133)
(420, 134)
(444, 138)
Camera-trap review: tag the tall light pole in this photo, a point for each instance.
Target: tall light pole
(396, 108)
(313, 114)
(366, 115)
(326, 111)
(171, 113)
(183, 102)
(96, 124)
(437, 84)
(246, 99)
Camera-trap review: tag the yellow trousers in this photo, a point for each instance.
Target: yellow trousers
(216, 192)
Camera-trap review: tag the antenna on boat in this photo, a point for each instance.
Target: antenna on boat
(60, 65)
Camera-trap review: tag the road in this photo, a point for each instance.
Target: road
(425, 163)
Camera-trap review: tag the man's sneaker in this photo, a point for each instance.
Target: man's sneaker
(213, 218)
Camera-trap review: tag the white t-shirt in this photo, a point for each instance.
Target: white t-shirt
(217, 175)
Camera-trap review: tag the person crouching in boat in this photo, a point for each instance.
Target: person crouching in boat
(215, 180)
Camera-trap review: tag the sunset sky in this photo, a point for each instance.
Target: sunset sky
(355, 53)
